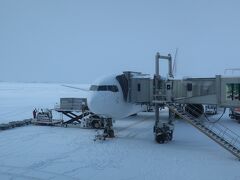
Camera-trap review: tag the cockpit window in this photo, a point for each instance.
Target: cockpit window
(112, 88)
(102, 88)
(93, 88)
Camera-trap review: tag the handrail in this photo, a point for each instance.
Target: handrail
(219, 129)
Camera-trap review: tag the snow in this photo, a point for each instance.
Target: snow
(17, 100)
(39, 152)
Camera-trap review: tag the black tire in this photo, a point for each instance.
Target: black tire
(160, 138)
(95, 124)
(111, 133)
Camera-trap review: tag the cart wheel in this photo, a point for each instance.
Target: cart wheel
(95, 124)
(111, 133)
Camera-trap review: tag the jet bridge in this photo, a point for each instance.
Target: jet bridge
(222, 91)
(137, 87)
(186, 98)
(140, 88)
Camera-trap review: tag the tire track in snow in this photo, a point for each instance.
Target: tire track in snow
(133, 134)
(26, 173)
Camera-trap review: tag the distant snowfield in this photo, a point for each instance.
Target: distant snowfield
(17, 100)
(38, 152)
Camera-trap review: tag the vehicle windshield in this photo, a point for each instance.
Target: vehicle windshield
(210, 107)
(111, 88)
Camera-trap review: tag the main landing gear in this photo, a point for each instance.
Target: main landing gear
(163, 132)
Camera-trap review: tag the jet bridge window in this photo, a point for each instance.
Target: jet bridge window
(189, 86)
(233, 92)
(139, 87)
(111, 88)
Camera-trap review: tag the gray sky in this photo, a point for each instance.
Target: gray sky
(77, 41)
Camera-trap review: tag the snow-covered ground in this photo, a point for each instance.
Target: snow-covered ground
(38, 152)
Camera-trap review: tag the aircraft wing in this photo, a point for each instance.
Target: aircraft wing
(85, 88)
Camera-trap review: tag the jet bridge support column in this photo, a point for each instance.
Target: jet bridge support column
(163, 131)
(156, 90)
(157, 80)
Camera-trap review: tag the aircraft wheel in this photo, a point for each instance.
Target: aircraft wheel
(160, 138)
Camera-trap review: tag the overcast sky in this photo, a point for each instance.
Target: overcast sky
(77, 41)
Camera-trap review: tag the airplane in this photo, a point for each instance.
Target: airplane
(107, 97)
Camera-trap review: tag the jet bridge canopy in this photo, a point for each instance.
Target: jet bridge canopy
(136, 87)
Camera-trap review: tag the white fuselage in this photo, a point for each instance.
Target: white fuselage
(106, 99)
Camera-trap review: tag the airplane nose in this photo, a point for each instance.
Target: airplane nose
(105, 104)
(95, 104)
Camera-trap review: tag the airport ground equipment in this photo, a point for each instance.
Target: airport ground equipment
(46, 122)
(72, 104)
(44, 115)
(108, 131)
(14, 124)
(163, 132)
(234, 113)
(77, 111)
(79, 114)
(74, 109)
(210, 109)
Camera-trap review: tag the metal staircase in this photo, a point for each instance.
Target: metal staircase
(216, 131)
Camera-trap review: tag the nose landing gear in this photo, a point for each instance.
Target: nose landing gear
(108, 131)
